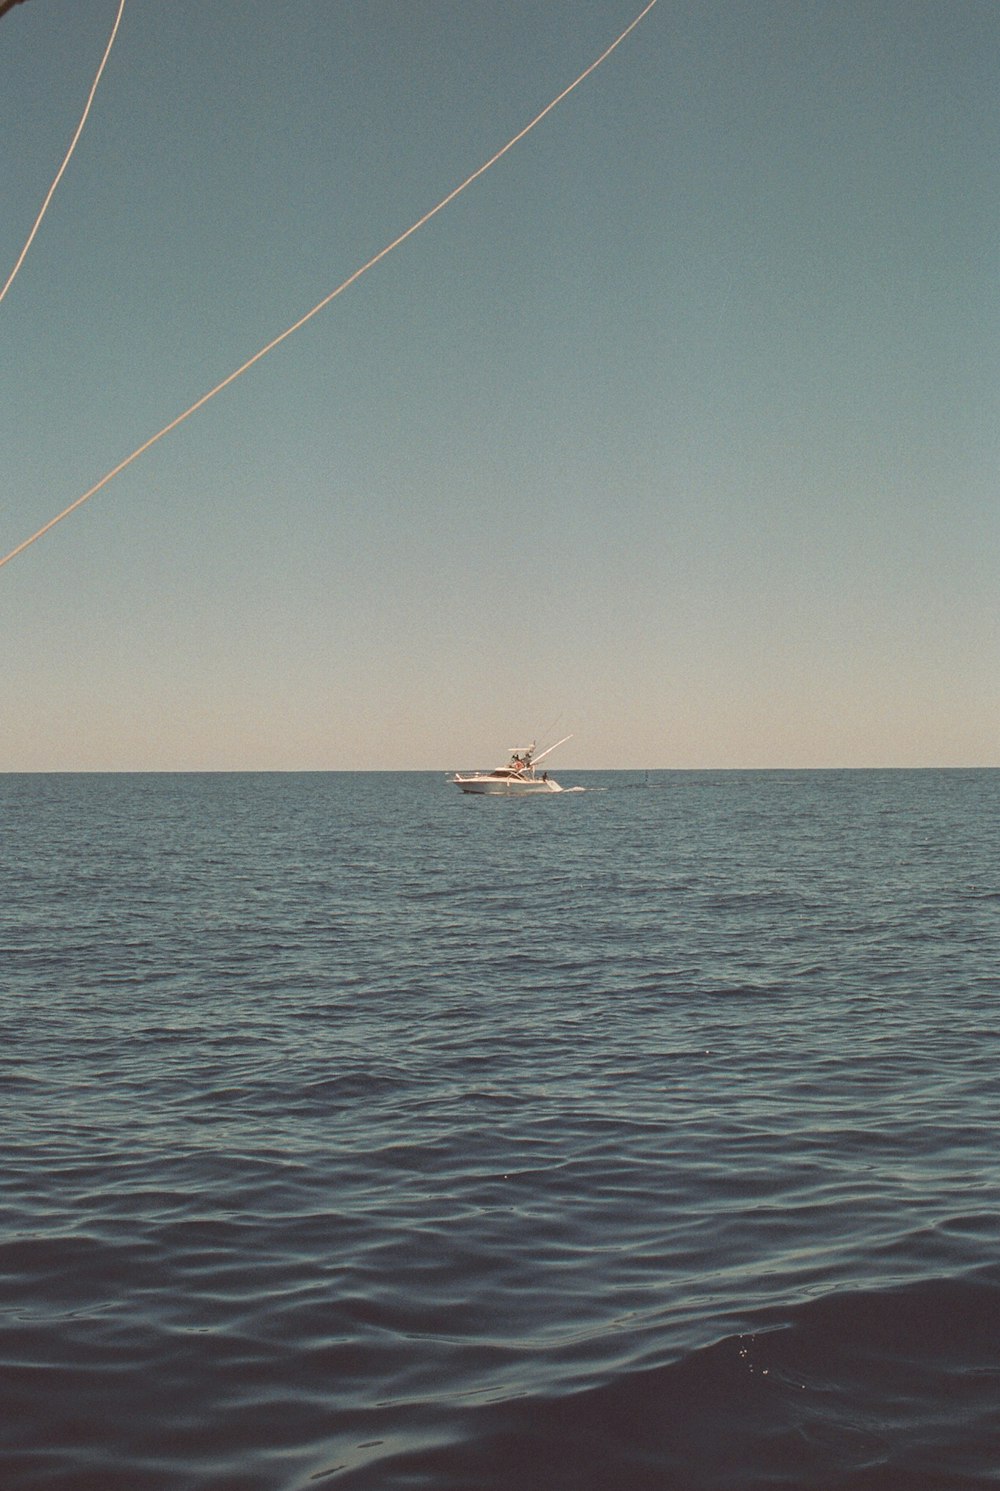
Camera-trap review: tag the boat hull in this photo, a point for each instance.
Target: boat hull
(490, 786)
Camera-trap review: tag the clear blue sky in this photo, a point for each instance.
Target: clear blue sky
(678, 430)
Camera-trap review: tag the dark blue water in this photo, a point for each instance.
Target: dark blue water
(359, 1134)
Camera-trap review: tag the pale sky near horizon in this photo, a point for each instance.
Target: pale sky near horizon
(678, 430)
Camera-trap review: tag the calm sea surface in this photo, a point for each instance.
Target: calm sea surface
(358, 1134)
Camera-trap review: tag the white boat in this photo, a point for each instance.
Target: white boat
(518, 778)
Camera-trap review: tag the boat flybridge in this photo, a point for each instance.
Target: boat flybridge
(517, 779)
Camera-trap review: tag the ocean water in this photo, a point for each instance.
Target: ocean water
(358, 1134)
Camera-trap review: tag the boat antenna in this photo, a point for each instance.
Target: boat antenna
(549, 749)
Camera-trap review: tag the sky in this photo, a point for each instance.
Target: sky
(678, 430)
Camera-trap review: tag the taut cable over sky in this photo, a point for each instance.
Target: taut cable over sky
(66, 158)
(322, 304)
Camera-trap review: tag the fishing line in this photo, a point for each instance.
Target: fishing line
(72, 146)
(321, 305)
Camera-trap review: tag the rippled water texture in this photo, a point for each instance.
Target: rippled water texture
(359, 1134)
